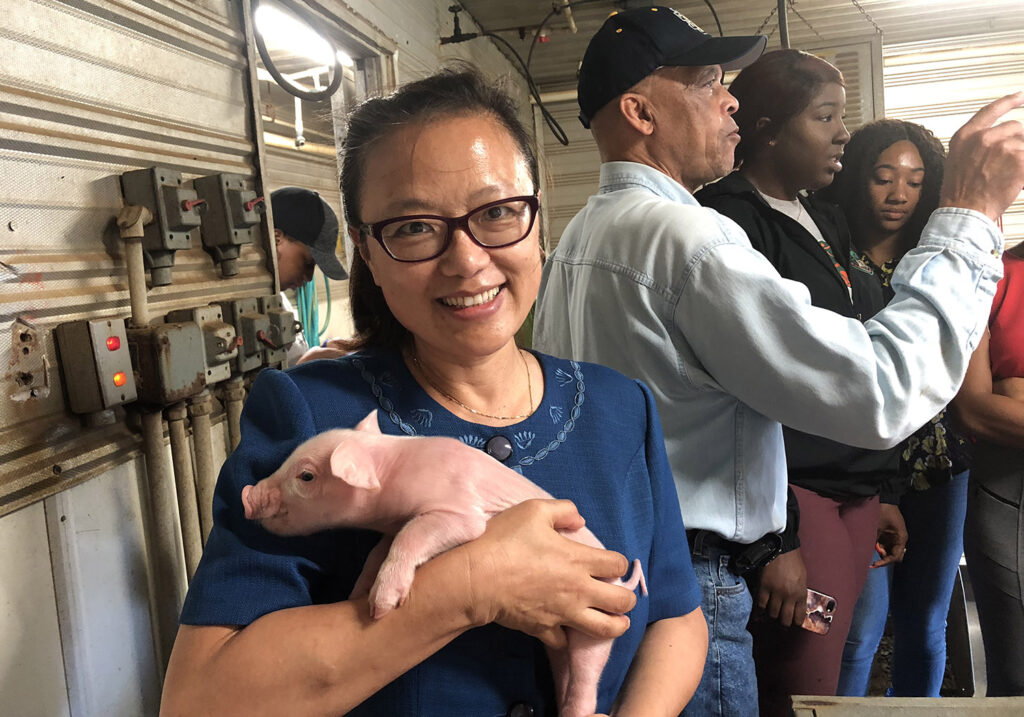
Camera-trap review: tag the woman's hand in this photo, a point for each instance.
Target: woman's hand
(892, 536)
(525, 575)
(782, 592)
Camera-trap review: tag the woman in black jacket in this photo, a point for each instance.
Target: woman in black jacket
(790, 119)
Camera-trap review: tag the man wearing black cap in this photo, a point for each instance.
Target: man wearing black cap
(305, 234)
(647, 281)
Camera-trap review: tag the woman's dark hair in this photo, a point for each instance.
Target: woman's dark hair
(849, 189)
(457, 90)
(778, 85)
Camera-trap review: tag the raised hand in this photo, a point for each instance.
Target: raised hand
(985, 168)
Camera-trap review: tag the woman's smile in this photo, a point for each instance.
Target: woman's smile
(463, 301)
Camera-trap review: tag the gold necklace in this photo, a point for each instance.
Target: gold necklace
(529, 388)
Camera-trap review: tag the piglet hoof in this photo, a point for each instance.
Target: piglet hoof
(383, 601)
(379, 611)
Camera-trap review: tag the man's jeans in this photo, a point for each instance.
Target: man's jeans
(728, 687)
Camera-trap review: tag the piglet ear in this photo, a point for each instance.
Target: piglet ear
(356, 473)
(369, 424)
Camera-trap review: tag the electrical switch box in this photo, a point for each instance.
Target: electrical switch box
(177, 211)
(231, 213)
(220, 341)
(282, 331)
(169, 361)
(250, 325)
(95, 363)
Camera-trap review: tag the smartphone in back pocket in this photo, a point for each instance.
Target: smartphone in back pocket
(820, 609)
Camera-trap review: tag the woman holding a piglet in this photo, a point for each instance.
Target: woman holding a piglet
(441, 196)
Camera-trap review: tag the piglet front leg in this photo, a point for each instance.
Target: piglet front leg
(421, 539)
(371, 567)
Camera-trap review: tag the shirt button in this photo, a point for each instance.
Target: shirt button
(520, 709)
(500, 448)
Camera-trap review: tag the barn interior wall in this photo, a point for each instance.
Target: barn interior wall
(88, 91)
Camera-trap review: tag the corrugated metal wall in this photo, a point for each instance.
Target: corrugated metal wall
(88, 90)
(941, 83)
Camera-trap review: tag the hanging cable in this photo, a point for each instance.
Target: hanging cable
(536, 35)
(552, 123)
(715, 15)
(308, 306)
(305, 297)
(459, 36)
(327, 319)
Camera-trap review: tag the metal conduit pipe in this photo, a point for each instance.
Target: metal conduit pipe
(784, 24)
(131, 221)
(166, 556)
(185, 482)
(234, 397)
(199, 409)
(163, 539)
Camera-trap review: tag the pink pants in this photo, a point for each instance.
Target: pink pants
(837, 541)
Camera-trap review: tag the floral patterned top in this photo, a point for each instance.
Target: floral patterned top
(935, 452)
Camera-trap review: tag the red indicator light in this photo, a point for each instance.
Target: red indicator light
(113, 343)
(120, 378)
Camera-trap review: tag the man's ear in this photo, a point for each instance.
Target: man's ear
(636, 109)
(762, 124)
(278, 236)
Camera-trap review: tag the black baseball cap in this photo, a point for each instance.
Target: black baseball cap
(634, 43)
(304, 216)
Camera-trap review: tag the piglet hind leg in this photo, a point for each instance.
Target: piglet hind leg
(422, 538)
(577, 670)
(587, 658)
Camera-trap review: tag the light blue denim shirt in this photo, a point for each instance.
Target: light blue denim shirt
(647, 281)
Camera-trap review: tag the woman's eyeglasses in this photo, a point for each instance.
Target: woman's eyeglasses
(421, 237)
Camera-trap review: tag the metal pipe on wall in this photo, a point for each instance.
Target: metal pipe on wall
(783, 24)
(234, 397)
(164, 540)
(130, 221)
(199, 409)
(184, 481)
(164, 543)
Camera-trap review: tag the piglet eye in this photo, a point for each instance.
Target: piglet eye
(306, 476)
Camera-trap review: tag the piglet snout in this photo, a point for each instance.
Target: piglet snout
(260, 502)
(247, 502)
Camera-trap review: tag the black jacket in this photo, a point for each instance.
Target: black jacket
(828, 468)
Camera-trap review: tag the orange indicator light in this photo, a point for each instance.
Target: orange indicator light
(113, 343)
(120, 378)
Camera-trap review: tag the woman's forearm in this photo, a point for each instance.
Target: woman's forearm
(315, 660)
(667, 668)
(326, 659)
(982, 413)
(991, 418)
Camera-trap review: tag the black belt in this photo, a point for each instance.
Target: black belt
(743, 557)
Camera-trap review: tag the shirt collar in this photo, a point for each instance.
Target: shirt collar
(616, 176)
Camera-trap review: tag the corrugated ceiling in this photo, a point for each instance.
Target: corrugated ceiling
(811, 23)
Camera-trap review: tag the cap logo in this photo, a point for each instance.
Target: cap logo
(687, 20)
